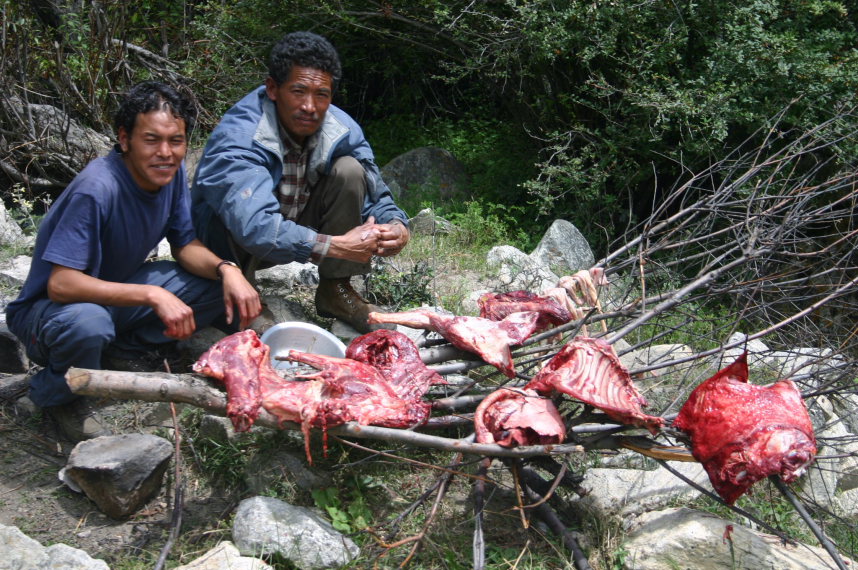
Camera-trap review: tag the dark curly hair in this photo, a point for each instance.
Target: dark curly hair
(304, 49)
(148, 96)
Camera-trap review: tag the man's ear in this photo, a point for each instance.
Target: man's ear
(123, 139)
(271, 88)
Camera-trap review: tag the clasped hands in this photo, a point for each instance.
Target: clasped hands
(368, 239)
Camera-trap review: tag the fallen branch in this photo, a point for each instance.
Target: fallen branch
(193, 390)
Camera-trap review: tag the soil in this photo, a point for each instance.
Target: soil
(33, 498)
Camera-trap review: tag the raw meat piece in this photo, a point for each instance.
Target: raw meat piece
(357, 391)
(343, 390)
(398, 359)
(496, 306)
(588, 370)
(742, 432)
(235, 361)
(582, 287)
(489, 339)
(510, 417)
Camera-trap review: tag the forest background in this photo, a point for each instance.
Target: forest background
(588, 111)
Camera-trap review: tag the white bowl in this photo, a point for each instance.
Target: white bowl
(306, 337)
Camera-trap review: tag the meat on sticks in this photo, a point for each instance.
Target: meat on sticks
(743, 432)
(511, 417)
(355, 391)
(496, 306)
(398, 359)
(491, 340)
(589, 370)
(579, 293)
(235, 361)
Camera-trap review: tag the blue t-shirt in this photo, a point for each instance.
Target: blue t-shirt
(105, 225)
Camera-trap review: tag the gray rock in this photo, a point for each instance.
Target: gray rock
(199, 342)
(264, 525)
(425, 170)
(288, 275)
(628, 491)
(516, 270)
(225, 556)
(267, 470)
(428, 224)
(12, 355)
(656, 354)
(284, 310)
(14, 272)
(162, 250)
(21, 552)
(63, 135)
(684, 538)
(120, 473)
(563, 247)
(10, 232)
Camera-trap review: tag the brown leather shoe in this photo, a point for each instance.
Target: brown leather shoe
(78, 420)
(336, 299)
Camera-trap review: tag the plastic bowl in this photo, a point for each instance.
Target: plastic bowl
(306, 337)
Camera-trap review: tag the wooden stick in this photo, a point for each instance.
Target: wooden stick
(196, 391)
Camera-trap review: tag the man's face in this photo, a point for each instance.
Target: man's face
(302, 100)
(154, 150)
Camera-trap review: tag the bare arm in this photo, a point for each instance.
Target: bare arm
(237, 291)
(67, 285)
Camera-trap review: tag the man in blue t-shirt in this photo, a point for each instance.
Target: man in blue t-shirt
(90, 285)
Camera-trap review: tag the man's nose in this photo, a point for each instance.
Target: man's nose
(308, 105)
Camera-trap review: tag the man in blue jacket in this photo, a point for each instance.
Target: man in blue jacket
(287, 176)
(90, 286)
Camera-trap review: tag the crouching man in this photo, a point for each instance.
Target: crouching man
(287, 176)
(90, 286)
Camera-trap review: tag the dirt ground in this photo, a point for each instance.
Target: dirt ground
(33, 498)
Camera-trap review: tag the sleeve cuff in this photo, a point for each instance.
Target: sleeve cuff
(320, 248)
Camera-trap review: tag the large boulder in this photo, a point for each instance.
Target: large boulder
(684, 538)
(119, 473)
(265, 526)
(24, 553)
(564, 249)
(426, 170)
(10, 232)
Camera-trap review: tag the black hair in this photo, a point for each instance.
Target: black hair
(149, 96)
(304, 49)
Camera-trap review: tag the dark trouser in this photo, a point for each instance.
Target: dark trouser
(59, 336)
(334, 207)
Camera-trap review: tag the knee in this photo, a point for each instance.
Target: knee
(349, 175)
(83, 326)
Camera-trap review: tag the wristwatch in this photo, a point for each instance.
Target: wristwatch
(221, 264)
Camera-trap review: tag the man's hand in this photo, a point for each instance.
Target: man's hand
(176, 315)
(392, 238)
(358, 244)
(238, 292)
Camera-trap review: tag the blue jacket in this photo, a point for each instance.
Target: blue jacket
(236, 179)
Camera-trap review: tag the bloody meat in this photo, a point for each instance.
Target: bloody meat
(511, 417)
(491, 340)
(343, 390)
(235, 361)
(497, 306)
(398, 359)
(358, 391)
(589, 370)
(742, 432)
